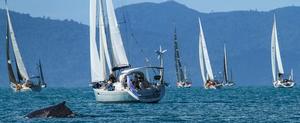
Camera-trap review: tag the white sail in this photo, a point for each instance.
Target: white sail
(278, 56)
(291, 77)
(201, 58)
(103, 39)
(119, 54)
(94, 55)
(225, 64)
(16, 50)
(275, 53)
(205, 54)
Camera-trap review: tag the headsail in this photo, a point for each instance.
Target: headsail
(205, 54)
(20, 64)
(119, 54)
(94, 55)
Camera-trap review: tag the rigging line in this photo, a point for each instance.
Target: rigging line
(129, 29)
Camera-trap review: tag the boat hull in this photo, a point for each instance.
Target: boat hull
(105, 96)
(35, 88)
(184, 84)
(279, 84)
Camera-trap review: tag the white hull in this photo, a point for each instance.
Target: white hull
(217, 86)
(279, 84)
(25, 89)
(105, 96)
(183, 85)
(228, 84)
(123, 95)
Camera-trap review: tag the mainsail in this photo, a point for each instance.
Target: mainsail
(19, 61)
(94, 55)
(275, 53)
(119, 54)
(204, 58)
(11, 75)
(179, 72)
(102, 57)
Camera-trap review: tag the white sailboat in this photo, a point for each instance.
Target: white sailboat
(120, 83)
(277, 71)
(227, 81)
(20, 82)
(205, 66)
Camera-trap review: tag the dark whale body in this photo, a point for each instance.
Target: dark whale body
(58, 111)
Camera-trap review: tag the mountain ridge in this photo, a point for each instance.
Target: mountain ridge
(63, 46)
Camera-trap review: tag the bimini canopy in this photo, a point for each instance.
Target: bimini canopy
(129, 71)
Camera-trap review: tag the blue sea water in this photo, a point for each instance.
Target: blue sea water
(243, 104)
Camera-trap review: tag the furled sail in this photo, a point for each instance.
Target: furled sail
(179, 71)
(225, 65)
(94, 55)
(205, 54)
(19, 61)
(119, 54)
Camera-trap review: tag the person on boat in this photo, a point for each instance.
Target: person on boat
(109, 85)
(112, 78)
(210, 83)
(18, 87)
(280, 76)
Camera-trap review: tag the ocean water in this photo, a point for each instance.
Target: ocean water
(243, 104)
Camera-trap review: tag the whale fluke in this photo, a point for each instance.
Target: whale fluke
(59, 111)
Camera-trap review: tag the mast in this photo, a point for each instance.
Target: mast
(179, 71)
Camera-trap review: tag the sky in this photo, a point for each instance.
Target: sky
(78, 9)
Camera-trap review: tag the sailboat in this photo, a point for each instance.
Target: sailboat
(205, 66)
(120, 82)
(227, 81)
(21, 81)
(277, 67)
(181, 75)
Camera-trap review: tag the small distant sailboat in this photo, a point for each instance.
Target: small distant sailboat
(278, 76)
(205, 66)
(182, 80)
(122, 83)
(22, 82)
(227, 81)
